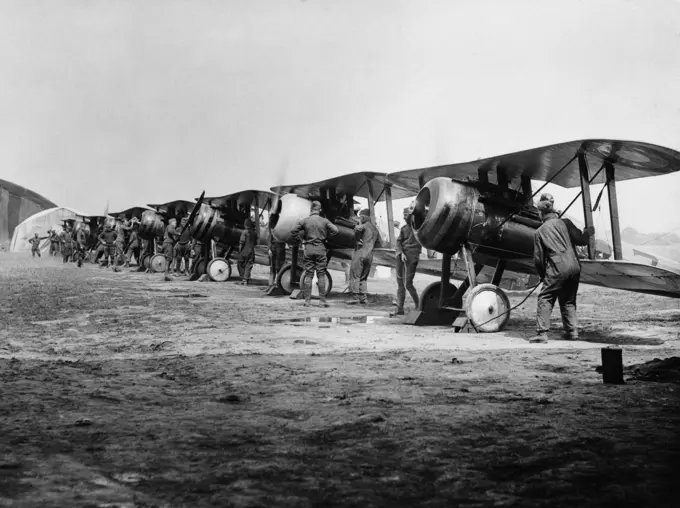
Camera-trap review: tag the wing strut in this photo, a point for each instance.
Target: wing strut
(614, 211)
(256, 217)
(587, 203)
(390, 215)
(371, 200)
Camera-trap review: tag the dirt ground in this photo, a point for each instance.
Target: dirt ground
(123, 390)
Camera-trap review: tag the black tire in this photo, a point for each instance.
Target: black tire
(283, 279)
(429, 303)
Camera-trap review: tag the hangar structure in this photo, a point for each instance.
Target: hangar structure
(17, 204)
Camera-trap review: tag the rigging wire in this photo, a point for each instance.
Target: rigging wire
(539, 189)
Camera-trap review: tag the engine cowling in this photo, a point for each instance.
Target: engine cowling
(443, 214)
(291, 209)
(151, 225)
(209, 224)
(448, 214)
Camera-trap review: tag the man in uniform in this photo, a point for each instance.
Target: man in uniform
(277, 255)
(107, 239)
(408, 255)
(313, 231)
(246, 249)
(133, 245)
(67, 243)
(367, 238)
(35, 244)
(557, 265)
(169, 240)
(183, 248)
(121, 229)
(54, 242)
(81, 245)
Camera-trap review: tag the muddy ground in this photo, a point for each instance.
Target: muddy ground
(121, 389)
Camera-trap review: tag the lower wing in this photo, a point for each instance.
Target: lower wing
(630, 276)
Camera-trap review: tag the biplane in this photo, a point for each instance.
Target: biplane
(336, 196)
(152, 227)
(217, 222)
(145, 232)
(483, 211)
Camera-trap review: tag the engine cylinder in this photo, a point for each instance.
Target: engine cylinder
(448, 214)
(151, 225)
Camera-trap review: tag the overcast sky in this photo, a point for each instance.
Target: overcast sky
(143, 101)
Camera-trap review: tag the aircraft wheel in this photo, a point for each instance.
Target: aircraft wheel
(487, 307)
(429, 300)
(200, 266)
(219, 270)
(157, 263)
(144, 261)
(283, 280)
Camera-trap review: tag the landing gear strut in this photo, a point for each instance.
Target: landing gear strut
(485, 306)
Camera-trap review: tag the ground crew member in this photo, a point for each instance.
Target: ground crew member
(133, 246)
(121, 228)
(67, 244)
(108, 244)
(35, 244)
(81, 246)
(246, 249)
(54, 242)
(196, 254)
(312, 231)
(367, 238)
(557, 265)
(183, 248)
(408, 255)
(99, 249)
(169, 240)
(277, 256)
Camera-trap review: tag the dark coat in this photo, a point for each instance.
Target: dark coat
(313, 232)
(554, 252)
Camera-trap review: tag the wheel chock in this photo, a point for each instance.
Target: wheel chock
(462, 325)
(275, 290)
(297, 294)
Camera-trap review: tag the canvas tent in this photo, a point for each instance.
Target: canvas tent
(41, 223)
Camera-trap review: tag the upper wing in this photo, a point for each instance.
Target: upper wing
(177, 207)
(630, 276)
(246, 197)
(356, 184)
(632, 159)
(135, 211)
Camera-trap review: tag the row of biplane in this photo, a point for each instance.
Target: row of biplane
(480, 213)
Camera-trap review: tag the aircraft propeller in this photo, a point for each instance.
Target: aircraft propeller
(195, 210)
